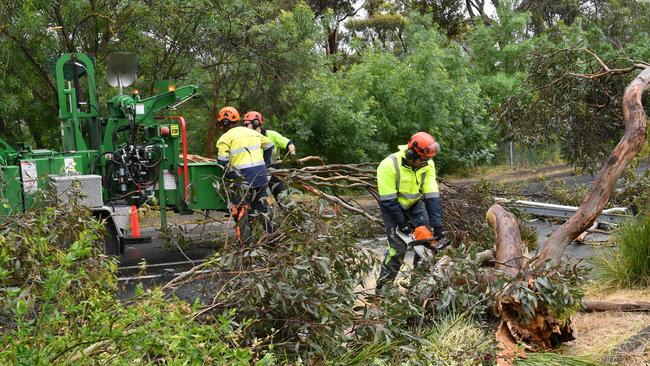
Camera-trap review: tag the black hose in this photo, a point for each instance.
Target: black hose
(94, 165)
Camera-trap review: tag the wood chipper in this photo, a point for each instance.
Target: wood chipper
(130, 156)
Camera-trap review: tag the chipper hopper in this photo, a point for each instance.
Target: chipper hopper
(133, 152)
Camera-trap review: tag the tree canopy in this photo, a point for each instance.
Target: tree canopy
(348, 80)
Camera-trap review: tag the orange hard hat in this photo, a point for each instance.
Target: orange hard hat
(254, 117)
(228, 116)
(424, 145)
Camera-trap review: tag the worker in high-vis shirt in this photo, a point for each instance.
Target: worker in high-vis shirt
(409, 200)
(245, 155)
(281, 144)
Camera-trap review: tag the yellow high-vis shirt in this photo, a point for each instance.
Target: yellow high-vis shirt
(242, 149)
(396, 181)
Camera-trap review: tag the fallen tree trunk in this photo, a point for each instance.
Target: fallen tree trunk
(511, 252)
(605, 182)
(512, 259)
(539, 332)
(594, 306)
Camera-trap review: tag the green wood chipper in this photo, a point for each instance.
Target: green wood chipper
(133, 154)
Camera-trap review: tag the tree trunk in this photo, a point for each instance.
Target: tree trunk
(511, 252)
(605, 182)
(593, 306)
(542, 330)
(212, 128)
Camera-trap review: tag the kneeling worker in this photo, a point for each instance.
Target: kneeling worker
(409, 198)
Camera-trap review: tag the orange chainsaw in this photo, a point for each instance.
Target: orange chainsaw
(422, 241)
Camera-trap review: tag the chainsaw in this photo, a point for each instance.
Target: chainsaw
(426, 246)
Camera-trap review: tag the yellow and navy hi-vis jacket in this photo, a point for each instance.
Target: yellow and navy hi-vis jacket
(246, 151)
(400, 187)
(279, 143)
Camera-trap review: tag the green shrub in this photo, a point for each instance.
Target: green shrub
(57, 304)
(559, 192)
(633, 192)
(299, 293)
(362, 113)
(627, 265)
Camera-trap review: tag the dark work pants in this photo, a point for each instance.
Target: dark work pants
(255, 198)
(392, 263)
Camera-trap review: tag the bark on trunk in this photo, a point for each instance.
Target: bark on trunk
(542, 330)
(593, 306)
(605, 182)
(511, 252)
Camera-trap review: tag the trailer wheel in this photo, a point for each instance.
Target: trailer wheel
(111, 240)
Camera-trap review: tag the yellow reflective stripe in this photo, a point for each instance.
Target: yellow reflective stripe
(244, 149)
(248, 165)
(387, 197)
(223, 158)
(432, 195)
(409, 195)
(270, 145)
(397, 170)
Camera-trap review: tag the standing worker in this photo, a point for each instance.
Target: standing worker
(254, 120)
(245, 153)
(409, 199)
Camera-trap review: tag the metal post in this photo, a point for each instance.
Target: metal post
(161, 190)
(512, 154)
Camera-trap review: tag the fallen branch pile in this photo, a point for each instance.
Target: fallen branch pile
(463, 206)
(326, 181)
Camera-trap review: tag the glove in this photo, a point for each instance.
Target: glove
(405, 228)
(437, 233)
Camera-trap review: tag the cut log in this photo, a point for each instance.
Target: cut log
(593, 306)
(511, 252)
(539, 332)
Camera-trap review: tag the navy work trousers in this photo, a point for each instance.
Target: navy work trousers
(417, 215)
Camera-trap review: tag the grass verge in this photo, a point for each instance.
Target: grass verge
(627, 265)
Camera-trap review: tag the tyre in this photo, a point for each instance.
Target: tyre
(111, 240)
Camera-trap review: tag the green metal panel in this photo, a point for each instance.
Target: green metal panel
(205, 186)
(36, 168)
(7, 153)
(73, 118)
(11, 195)
(172, 196)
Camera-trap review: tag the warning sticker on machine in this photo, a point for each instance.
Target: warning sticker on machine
(169, 180)
(69, 165)
(174, 130)
(139, 108)
(29, 176)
